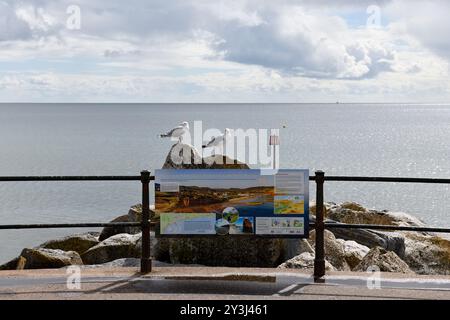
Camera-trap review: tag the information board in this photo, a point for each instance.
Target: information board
(232, 202)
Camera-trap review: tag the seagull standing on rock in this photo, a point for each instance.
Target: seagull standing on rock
(219, 140)
(177, 132)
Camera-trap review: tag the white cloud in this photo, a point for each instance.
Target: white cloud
(11, 26)
(196, 50)
(296, 41)
(427, 21)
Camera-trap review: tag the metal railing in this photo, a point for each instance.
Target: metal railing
(145, 178)
(319, 225)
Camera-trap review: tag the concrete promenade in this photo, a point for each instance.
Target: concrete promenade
(205, 283)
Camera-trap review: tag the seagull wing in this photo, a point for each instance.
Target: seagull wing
(214, 141)
(210, 143)
(175, 132)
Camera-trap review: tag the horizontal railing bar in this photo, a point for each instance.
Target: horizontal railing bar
(329, 225)
(386, 179)
(70, 225)
(137, 178)
(385, 227)
(73, 178)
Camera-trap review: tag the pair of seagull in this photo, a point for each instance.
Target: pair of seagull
(183, 128)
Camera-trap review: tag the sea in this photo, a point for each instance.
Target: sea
(399, 140)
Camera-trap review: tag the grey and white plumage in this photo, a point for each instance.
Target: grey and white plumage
(219, 140)
(177, 132)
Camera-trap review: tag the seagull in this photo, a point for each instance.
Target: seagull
(177, 132)
(219, 140)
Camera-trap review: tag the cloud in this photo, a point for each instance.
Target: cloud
(194, 50)
(11, 26)
(426, 21)
(295, 41)
(287, 38)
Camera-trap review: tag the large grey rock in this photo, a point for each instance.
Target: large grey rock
(185, 156)
(353, 252)
(294, 247)
(342, 254)
(133, 215)
(427, 254)
(78, 242)
(41, 258)
(392, 241)
(228, 251)
(334, 250)
(386, 261)
(352, 212)
(10, 265)
(108, 232)
(304, 260)
(222, 251)
(118, 246)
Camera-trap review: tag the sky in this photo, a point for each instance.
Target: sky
(200, 51)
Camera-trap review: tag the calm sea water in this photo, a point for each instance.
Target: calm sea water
(121, 139)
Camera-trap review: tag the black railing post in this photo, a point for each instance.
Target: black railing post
(319, 259)
(146, 261)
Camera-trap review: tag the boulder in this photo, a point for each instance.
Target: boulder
(41, 258)
(386, 261)
(392, 241)
(304, 260)
(133, 215)
(118, 246)
(78, 243)
(334, 250)
(352, 212)
(185, 156)
(226, 251)
(353, 252)
(427, 254)
(10, 265)
(111, 231)
(294, 247)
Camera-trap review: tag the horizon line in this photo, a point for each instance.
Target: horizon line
(205, 103)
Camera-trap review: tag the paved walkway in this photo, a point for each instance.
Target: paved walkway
(216, 283)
